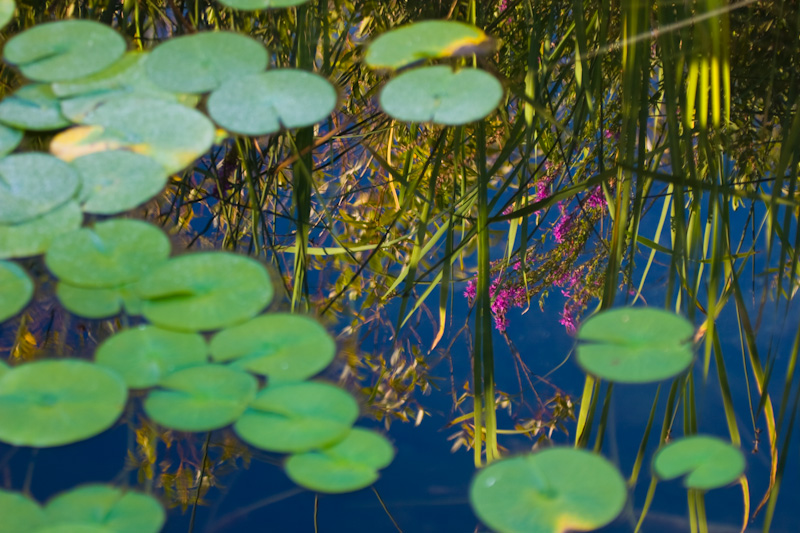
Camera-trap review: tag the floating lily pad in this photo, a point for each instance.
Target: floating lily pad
(145, 354)
(64, 50)
(201, 398)
(635, 345)
(201, 62)
(297, 417)
(259, 104)
(172, 134)
(425, 40)
(110, 254)
(707, 462)
(550, 491)
(19, 513)
(255, 5)
(283, 346)
(9, 139)
(98, 303)
(50, 403)
(34, 236)
(32, 184)
(16, 289)
(116, 181)
(7, 8)
(348, 465)
(205, 291)
(3, 368)
(111, 508)
(442, 96)
(33, 107)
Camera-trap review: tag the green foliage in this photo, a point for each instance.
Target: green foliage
(17, 289)
(706, 462)
(34, 184)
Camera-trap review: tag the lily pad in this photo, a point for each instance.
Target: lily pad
(89, 303)
(19, 513)
(16, 289)
(110, 254)
(707, 462)
(50, 403)
(64, 50)
(3, 368)
(9, 139)
(283, 346)
(145, 354)
(201, 62)
(635, 345)
(114, 509)
(7, 8)
(441, 96)
(201, 398)
(425, 40)
(33, 107)
(205, 291)
(297, 417)
(117, 181)
(550, 491)
(34, 236)
(31, 184)
(264, 103)
(256, 5)
(172, 134)
(350, 464)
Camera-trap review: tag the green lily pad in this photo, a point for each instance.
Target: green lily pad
(296, 417)
(145, 354)
(31, 184)
(283, 346)
(550, 491)
(19, 513)
(172, 134)
(7, 8)
(34, 236)
(89, 303)
(64, 50)
(635, 345)
(205, 291)
(16, 289)
(50, 403)
(707, 462)
(201, 62)
(9, 139)
(112, 253)
(33, 107)
(257, 5)
(3, 368)
(264, 103)
(117, 181)
(201, 398)
(442, 96)
(111, 508)
(425, 40)
(350, 464)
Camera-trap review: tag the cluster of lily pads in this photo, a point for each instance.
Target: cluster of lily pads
(562, 489)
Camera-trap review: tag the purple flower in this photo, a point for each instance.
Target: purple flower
(596, 199)
(562, 227)
(470, 291)
(568, 320)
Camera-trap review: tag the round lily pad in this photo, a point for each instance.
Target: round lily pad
(113, 509)
(550, 491)
(33, 107)
(3, 368)
(635, 345)
(50, 403)
(19, 513)
(296, 417)
(145, 354)
(64, 50)
(172, 134)
(201, 398)
(283, 346)
(440, 95)
(89, 303)
(201, 62)
(31, 184)
(264, 103)
(425, 40)
(7, 8)
(34, 236)
(16, 289)
(110, 254)
(256, 5)
(116, 181)
(707, 462)
(205, 291)
(350, 464)
(9, 139)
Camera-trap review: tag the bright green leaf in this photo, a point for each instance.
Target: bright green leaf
(32, 184)
(19, 513)
(16, 289)
(115, 509)
(34, 236)
(33, 107)
(707, 462)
